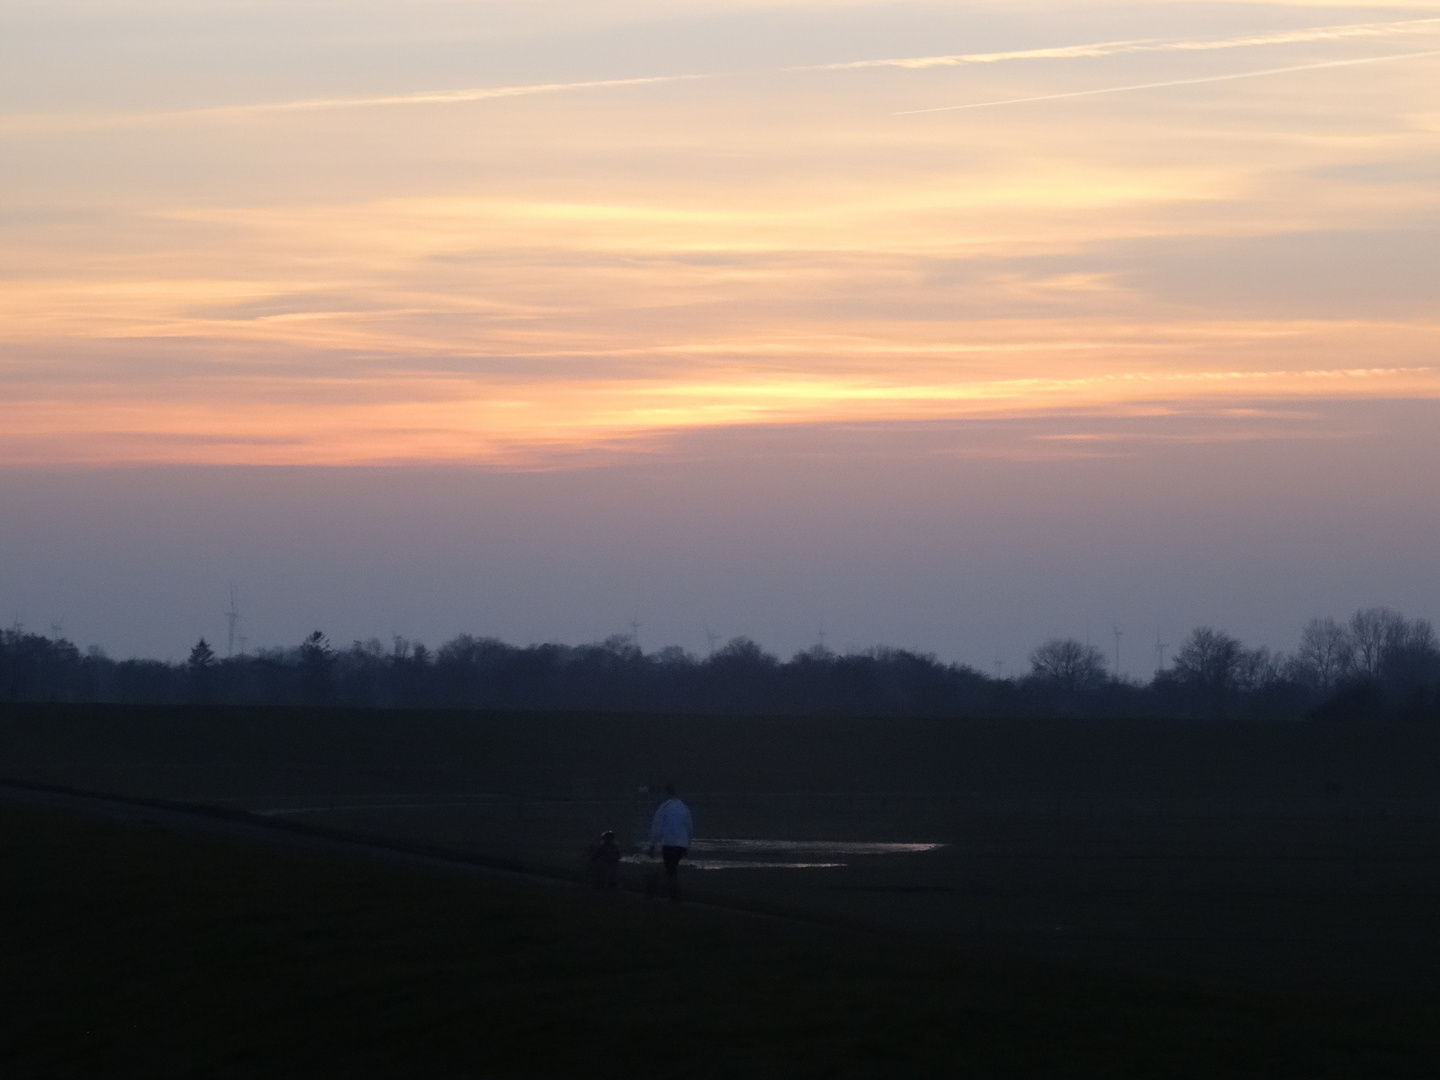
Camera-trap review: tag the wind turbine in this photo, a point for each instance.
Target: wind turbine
(1118, 634)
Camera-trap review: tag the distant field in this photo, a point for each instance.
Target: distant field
(131, 951)
(1280, 856)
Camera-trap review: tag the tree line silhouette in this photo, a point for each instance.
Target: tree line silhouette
(1378, 664)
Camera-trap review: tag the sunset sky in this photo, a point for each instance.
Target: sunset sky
(944, 325)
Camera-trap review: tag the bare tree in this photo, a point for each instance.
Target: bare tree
(1258, 668)
(1068, 664)
(1411, 654)
(1326, 653)
(1372, 632)
(1209, 660)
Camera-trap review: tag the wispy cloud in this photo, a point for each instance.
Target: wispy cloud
(1176, 82)
(422, 279)
(369, 419)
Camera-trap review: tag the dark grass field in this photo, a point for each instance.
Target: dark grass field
(131, 951)
(194, 752)
(1289, 874)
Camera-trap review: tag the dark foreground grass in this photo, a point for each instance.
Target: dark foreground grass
(128, 951)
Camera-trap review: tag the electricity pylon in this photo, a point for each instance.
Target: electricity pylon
(232, 619)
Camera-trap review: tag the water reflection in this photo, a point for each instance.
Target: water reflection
(749, 854)
(827, 847)
(737, 864)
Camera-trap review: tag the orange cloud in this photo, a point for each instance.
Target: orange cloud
(522, 274)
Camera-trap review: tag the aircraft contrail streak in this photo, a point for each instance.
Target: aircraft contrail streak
(439, 97)
(482, 93)
(1119, 48)
(426, 97)
(1174, 82)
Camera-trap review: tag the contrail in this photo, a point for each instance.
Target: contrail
(1174, 82)
(89, 121)
(435, 97)
(51, 121)
(1056, 52)
(1119, 48)
(427, 97)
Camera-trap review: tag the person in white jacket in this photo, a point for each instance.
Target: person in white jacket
(671, 829)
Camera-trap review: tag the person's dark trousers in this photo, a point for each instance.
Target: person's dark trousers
(672, 857)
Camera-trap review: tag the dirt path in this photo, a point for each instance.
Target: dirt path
(255, 828)
(203, 819)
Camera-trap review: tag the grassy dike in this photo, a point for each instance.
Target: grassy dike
(130, 951)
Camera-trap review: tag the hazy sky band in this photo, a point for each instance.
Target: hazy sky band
(663, 314)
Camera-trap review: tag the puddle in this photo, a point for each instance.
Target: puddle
(736, 854)
(734, 864)
(825, 847)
